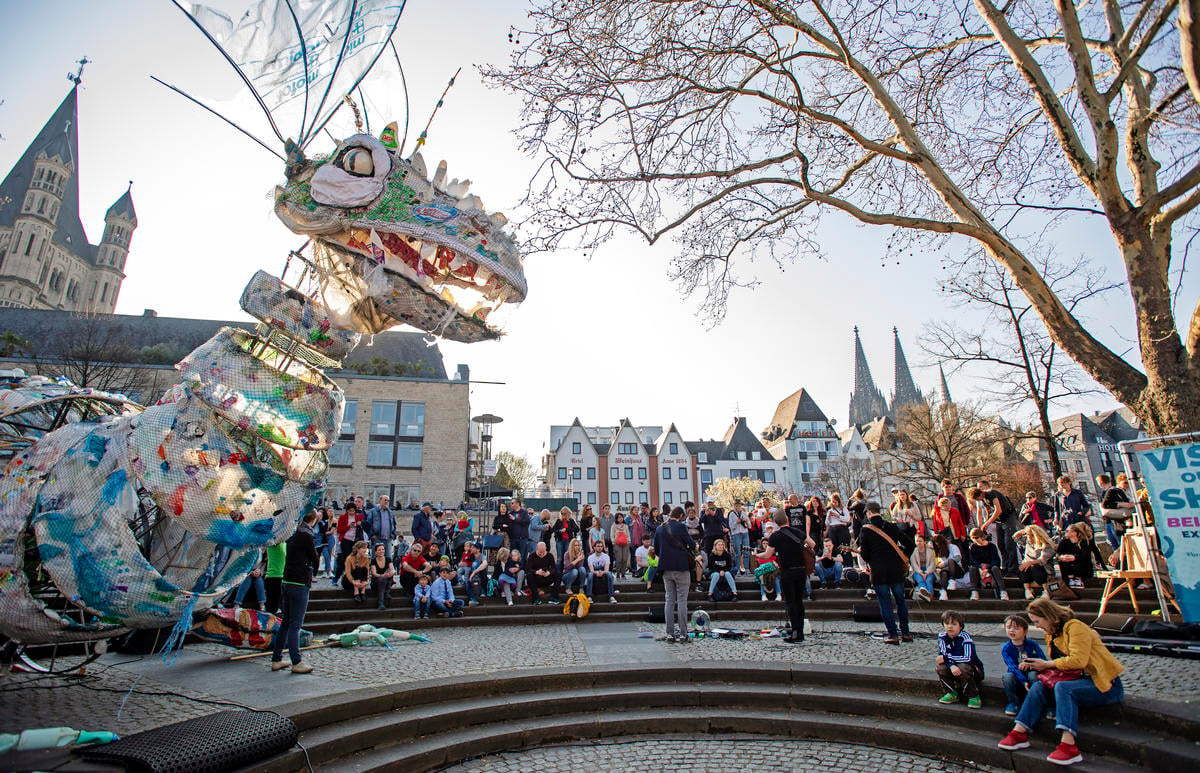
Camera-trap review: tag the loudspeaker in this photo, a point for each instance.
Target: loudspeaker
(656, 615)
(1114, 625)
(866, 613)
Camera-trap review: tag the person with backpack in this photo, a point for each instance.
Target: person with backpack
(886, 550)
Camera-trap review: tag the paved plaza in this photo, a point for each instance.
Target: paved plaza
(126, 693)
(692, 755)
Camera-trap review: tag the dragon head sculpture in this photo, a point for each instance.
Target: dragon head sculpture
(393, 246)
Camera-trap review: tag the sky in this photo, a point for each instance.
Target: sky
(601, 337)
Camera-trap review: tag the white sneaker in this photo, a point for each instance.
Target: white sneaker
(1004, 595)
(943, 596)
(612, 599)
(974, 595)
(764, 597)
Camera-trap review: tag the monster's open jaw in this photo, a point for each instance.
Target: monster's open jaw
(456, 280)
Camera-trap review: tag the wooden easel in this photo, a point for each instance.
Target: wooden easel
(1133, 567)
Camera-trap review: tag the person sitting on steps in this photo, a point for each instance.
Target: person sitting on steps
(958, 664)
(442, 595)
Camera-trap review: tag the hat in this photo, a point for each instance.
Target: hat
(426, 504)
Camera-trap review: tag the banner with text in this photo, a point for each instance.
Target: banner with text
(1172, 477)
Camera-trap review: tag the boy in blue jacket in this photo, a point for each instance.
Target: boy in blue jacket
(1017, 650)
(958, 664)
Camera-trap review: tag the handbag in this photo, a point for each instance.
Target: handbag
(1052, 676)
(1057, 591)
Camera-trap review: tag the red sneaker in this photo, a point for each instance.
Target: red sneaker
(1015, 740)
(1065, 754)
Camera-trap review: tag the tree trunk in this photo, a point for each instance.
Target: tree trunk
(1051, 440)
(1170, 401)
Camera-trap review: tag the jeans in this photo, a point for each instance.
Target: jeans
(447, 606)
(327, 552)
(572, 576)
(383, 589)
(766, 580)
(675, 605)
(1111, 536)
(421, 607)
(590, 580)
(741, 558)
(1006, 545)
(1067, 697)
(259, 591)
(717, 577)
(923, 581)
(295, 604)
(884, 594)
(651, 573)
(1016, 687)
(831, 575)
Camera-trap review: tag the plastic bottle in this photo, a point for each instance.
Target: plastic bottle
(51, 738)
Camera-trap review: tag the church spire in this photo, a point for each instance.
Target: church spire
(866, 401)
(906, 391)
(945, 386)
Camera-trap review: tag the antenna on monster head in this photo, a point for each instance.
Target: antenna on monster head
(425, 132)
(403, 85)
(249, 84)
(183, 93)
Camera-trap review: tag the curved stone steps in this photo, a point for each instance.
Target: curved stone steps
(428, 725)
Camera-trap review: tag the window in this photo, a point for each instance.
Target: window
(578, 497)
(373, 491)
(412, 419)
(667, 497)
(683, 473)
(756, 455)
(627, 448)
(562, 473)
(408, 454)
(641, 473)
(702, 457)
(628, 473)
(666, 473)
(752, 474)
(706, 477)
(349, 417)
(576, 473)
(577, 448)
(735, 474)
(768, 476)
(591, 473)
(591, 497)
(380, 454)
(407, 497)
(383, 417)
(1078, 465)
(615, 498)
(1046, 465)
(683, 496)
(629, 497)
(1105, 459)
(614, 473)
(812, 445)
(741, 455)
(672, 448)
(341, 454)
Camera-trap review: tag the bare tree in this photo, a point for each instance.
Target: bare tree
(936, 441)
(730, 125)
(846, 474)
(1022, 363)
(515, 472)
(91, 352)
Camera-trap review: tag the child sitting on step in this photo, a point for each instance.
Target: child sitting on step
(958, 664)
(1015, 651)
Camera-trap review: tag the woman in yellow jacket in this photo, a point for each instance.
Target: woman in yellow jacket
(1072, 646)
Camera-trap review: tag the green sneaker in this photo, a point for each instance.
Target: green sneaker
(974, 703)
(950, 697)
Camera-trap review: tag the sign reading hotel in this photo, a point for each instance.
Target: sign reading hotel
(1172, 477)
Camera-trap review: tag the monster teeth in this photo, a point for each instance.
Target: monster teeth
(458, 188)
(482, 277)
(428, 251)
(439, 176)
(471, 202)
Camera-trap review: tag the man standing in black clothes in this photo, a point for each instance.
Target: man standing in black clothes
(713, 526)
(791, 548)
(1000, 505)
(298, 569)
(886, 550)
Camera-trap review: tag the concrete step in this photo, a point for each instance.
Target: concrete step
(427, 726)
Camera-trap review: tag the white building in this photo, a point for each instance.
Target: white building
(802, 437)
(739, 454)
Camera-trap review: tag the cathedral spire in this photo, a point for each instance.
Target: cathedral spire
(866, 401)
(906, 391)
(945, 386)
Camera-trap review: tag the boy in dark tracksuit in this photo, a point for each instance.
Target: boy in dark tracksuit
(958, 665)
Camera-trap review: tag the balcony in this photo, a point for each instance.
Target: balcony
(822, 455)
(802, 454)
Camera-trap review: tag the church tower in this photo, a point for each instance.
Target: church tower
(46, 260)
(906, 390)
(866, 401)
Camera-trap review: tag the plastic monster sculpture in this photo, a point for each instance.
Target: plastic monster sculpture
(140, 519)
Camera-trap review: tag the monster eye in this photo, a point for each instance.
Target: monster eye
(358, 162)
